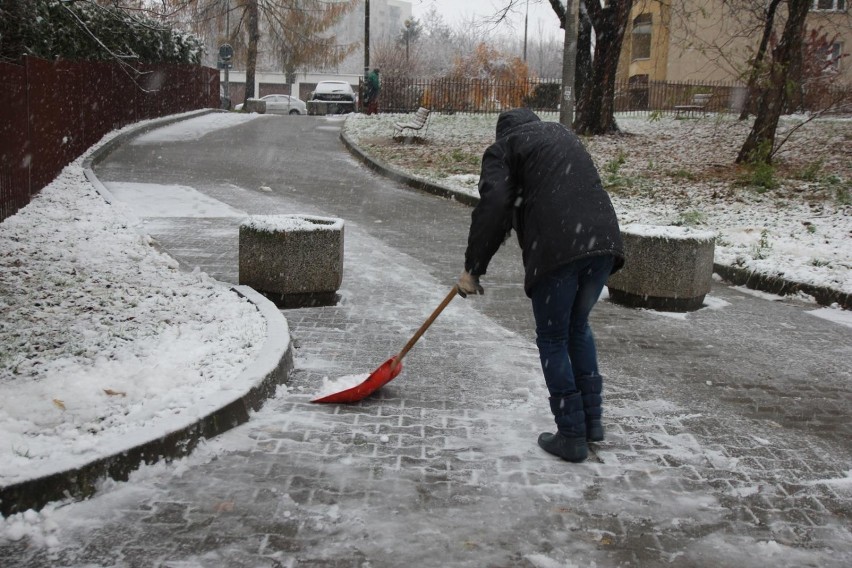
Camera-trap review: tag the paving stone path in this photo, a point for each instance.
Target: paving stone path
(728, 429)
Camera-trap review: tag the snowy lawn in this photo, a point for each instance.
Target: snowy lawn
(792, 220)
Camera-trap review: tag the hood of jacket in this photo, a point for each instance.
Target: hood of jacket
(510, 119)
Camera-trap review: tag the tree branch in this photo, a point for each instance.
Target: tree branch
(123, 65)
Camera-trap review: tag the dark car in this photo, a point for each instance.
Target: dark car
(332, 97)
(336, 91)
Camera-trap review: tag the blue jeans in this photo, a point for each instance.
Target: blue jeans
(561, 303)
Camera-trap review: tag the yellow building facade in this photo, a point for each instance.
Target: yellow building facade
(709, 41)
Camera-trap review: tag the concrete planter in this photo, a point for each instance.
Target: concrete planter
(296, 260)
(666, 268)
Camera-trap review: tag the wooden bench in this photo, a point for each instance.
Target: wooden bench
(420, 121)
(699, 102)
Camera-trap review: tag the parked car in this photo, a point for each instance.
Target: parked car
(337, 91)
(332, 97)
(282, 104)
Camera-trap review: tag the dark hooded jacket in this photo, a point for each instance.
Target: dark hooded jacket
(539, 179)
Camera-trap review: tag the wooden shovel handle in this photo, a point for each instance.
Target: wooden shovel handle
(425, 326)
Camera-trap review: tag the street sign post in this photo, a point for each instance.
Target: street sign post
(226, 53)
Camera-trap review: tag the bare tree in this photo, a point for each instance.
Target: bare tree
(545, 51)
(300, 37)
(717, 36)
(595, 78)
(292, 33)
(434, 48)
(393, 61)
(759, 147)
(760, 55)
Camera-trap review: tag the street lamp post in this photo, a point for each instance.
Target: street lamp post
(228, 39)
(407, 38)
(526, 26)
(366, 48)
(366, 37)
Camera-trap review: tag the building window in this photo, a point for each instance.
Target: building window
(641, 37)
(832, 58)
(829, 5)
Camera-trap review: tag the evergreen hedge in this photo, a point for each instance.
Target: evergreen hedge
(83, 29)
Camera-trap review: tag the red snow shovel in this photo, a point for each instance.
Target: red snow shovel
(390, 368)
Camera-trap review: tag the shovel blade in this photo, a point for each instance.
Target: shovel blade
(377, 379)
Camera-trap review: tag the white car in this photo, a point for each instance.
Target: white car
(282, 104)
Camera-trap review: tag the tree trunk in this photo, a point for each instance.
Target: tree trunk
(251, 56)
(598, 99)
(583, 70)
(568, 97)
(759, 146)
(757, 64)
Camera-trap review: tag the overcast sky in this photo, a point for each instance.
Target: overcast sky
(455, 11)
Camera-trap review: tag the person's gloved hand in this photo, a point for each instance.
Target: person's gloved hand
(469, 284)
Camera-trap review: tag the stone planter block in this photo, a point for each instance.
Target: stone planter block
(666, 268)
(296, 260)
(330, 107)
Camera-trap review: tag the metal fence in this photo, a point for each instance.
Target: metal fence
(52, 111)
(487, 95)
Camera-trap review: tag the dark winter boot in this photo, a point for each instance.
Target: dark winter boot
(591, 388)
(569, 442)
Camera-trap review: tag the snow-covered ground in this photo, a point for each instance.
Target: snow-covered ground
(104, 341)
(681, 172)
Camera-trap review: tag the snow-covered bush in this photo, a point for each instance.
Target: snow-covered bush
(53, 29)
